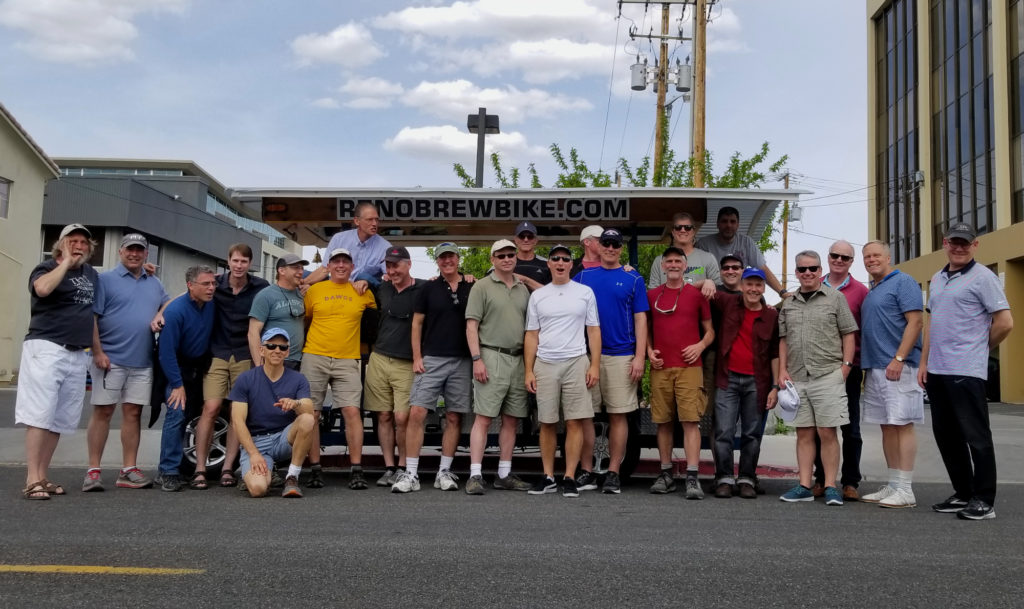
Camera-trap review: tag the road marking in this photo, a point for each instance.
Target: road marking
(97, 570)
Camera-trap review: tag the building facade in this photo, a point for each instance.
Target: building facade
(946, 140)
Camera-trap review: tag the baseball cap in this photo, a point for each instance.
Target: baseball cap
(591, 231)
(525, 227)
(290, 259)
(560, 247)
(134, 239)
(74, 228)
(733, 256)
(271, 333)
(340, 251)
(446, 248)
(610, 234)
(961, 230)
(752, 272)
(502, 244)
(396, 254)
(789, 402)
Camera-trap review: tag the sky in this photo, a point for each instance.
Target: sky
(361, 93)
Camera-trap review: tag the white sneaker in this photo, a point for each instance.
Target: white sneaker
(446, 481)
(883, 492)
(899, 499)
(407, 483)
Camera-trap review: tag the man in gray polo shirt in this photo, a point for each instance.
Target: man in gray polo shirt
(495, 323)
(816, 332)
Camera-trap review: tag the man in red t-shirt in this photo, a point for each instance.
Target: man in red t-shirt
(679, 313)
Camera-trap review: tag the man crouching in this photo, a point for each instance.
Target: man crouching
(272, 414)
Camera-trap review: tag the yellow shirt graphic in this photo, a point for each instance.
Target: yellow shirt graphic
(336, 311)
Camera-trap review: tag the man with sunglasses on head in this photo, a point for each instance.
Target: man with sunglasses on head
(679, 331)
(441, 368)
(622, 307)
(280, 306)
(530, 268)
(701, 267)
(389, 372)
(816, 345)
(495, 322)
(729, 240)
(840, 259)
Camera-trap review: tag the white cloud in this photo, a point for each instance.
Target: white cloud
(449, 99)
(370, 93)
(349, 45)
(85, 32)
(328, 103)
(448, 144)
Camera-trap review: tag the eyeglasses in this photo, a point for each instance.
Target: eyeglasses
(272, 346)
(835, 256)
(612, 244)
(732, 267)
(504, 256)
(804, 269)
(527, 236)
(560, 258)
(674, 304)
(685, 227)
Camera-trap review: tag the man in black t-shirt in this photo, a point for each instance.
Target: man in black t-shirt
(531, 268)
(51, 381)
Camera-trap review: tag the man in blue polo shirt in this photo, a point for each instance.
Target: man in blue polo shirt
(184, 357)
(128, 311)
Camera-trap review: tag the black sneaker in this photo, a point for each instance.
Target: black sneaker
(977, 510)
(569, 488)
(950, 506)
(316, 477)
(611, 484)
(356, 481)
(543, 486)
(586, 481)
(171, 483)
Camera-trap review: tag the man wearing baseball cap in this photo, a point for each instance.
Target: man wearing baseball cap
(969, 316)
(730, 268)
(280, 306)
(590, 239)
(531, 268)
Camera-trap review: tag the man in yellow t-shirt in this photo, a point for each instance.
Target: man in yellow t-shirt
(331, 357)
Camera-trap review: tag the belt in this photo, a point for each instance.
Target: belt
(512, 352)
(71, 347)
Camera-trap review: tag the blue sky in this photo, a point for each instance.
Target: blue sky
(361, 93)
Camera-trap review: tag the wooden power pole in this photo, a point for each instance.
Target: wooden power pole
(699, 67)
(659, 123)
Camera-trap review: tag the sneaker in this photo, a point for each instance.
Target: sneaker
(663, 484)
(475, 485)
(276, 481)
(950, 506)
(446, 480)
(133, 478)
(542, 486)
(356, 481)
(818, 490)
(977, 510)
(512, 482)
(611, 484)
(899, 499)
(172, 483)
(797, 493)
(586, 481)
(833, 496)
(723, 490)
(693, 489)
(291, 488)
(406, 483)
(850, 493)
(316, 477)
(747, 491)
(389, 478)
(92, 482)
(569, 488)
(158, 479)
(882, 493)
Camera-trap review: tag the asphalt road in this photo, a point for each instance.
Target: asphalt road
(338, 547)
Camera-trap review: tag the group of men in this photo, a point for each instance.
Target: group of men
(571, 336)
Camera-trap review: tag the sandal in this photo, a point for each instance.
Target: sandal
(198, 482)
(36, 491)
(53, 489)
(228, 479)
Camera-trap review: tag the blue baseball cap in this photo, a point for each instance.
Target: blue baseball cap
(753, 272)
(271, 333)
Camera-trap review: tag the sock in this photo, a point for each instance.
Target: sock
(124, 470)
(400, 468)
(294, 470)
(475, 469)
(905, 479)
(390, 469)
(446, 462)
(666, 467)
(894, 476)
(504, 469)
(691, 471)
(357, 467)
(412, 465)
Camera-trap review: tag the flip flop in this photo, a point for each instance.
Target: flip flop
(228, 479)
(36, 491)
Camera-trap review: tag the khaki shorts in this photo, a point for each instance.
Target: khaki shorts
(341, 374)
(618, 393)
(121, 385)
(563, 383)
(678, 392)
(388, 383)
(892, 402)
(505, 389)
(222, 376)
(822, 401)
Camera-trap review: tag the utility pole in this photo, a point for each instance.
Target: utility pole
(659, 123)
(785, 235)
(699, 67)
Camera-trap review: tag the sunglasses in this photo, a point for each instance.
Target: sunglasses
(674, 304)
(504, 256)
(272, 346)
(527, 236)
(455, 298)
(732, 267)
(835, 256)
(804, 269)
(612, 244)
(560, 258)
(685, 227)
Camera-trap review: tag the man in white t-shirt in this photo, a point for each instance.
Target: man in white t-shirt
(556, 318)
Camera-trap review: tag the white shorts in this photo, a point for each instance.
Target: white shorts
(51, 386)
(121, 385)
(892, 402)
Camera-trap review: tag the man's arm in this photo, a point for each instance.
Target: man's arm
(773, 281)
(1002, 324)
(594, 342)
(922, 370)
(316, 276)
(910, 334)
(653, 354)
(255, 330)
(530, 284)
(473, 338)
(636, 369)
(99, 358)
(530, 340)
(773, 395)
(45, 284)
(417, 343)
(783, 362)
(849, 348)
(692, 353)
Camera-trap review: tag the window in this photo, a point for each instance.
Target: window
(5, 197)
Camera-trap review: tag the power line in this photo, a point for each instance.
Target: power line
(611, 83)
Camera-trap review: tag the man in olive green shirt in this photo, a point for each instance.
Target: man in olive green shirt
(495, 325)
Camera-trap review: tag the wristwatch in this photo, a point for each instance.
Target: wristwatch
(848, 364)
(476, 357)
(900, 359)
